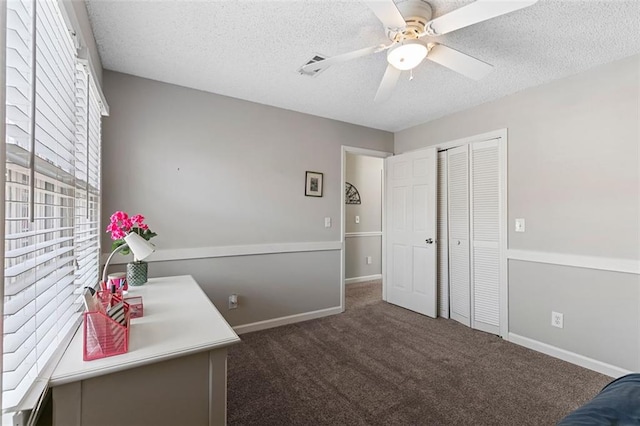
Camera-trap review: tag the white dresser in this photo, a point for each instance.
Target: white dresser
(173, 374)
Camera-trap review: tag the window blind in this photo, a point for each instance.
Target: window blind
(52, 191)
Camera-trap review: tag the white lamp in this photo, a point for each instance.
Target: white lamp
(140, 248)
(407, 55)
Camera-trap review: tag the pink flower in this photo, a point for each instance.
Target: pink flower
(119, 215)
(138, 219)
(117, 234)
(127, 224)
(121, 224)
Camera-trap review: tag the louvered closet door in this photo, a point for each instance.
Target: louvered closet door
(485, 231)
(459, 273)
(443, 237)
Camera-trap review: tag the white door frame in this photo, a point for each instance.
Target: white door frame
(502, 135)
(343, 211)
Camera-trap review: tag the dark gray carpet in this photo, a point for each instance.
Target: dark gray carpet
(378, 364)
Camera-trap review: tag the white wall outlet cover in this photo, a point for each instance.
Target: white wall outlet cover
(369, 260)
(557, 319)
(233, 301)
(327, 222)
(520, 225)
(357, 219)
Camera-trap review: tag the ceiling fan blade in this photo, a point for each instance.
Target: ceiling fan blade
(320, 65)
(388, 83)
(387, 13)
(478, 11)
(458, 61)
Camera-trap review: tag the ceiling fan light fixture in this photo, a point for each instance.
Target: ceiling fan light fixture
(407, 55)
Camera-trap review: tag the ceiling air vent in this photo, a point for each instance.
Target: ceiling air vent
(316, 58)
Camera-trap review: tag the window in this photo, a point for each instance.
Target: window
(52, 191)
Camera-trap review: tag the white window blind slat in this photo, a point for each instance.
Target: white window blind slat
(11, 379)
(37, 232)
(25, 251)
(24, 281)
(12, 360)
(52, 281)
(36, 261)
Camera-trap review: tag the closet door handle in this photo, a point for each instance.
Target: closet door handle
(429, 241)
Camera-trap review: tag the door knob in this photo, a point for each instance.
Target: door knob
(429, 241)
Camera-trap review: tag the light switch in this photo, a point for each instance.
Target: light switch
(327, 222)
(519, 225)
(357, 219)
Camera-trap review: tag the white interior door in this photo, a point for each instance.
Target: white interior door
(411, 231)
(485, 235)
(459, 270)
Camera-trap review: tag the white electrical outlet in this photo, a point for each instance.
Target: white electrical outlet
(557, 319)
(369, 260)
(233, 301)
(357, 219)
(327, 222)
(520, 225)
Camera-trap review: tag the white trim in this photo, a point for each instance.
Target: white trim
(494, 134)
(343, 212)
(362, 279)
(572, 357)
(503, 147)
(364, 151)
(231, 251)
(363, 234)
(291, 319)
(384, 225)
(627, 266)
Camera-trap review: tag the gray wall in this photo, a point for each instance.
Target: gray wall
(574, 175)
(210, 171)
(365, 173)
(600, 310)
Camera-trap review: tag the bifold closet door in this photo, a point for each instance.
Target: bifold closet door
(459, 255)
(443, 237)
(485, 233)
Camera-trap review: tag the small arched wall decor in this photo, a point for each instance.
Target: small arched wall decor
(352, 196)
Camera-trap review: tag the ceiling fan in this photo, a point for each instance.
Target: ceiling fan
(406, 23)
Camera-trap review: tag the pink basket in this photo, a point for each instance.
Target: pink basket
(103, 337)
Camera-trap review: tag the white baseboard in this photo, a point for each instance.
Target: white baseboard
(572, 357)
(277, 322)
(348, 281)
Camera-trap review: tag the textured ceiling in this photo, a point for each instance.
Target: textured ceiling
(252, 49)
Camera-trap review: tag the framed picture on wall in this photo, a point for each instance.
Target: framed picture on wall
(313, 184)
